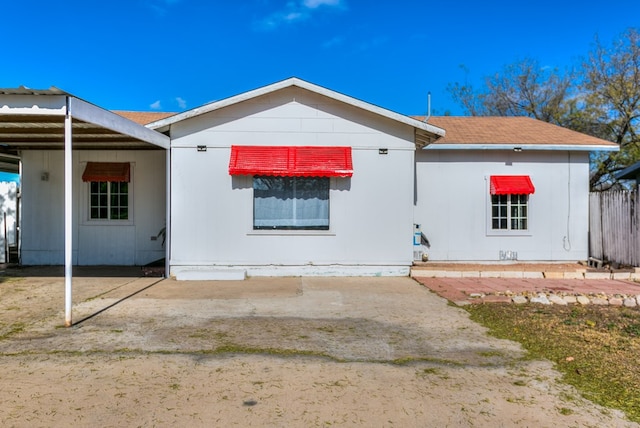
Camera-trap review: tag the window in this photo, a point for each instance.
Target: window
(291, 203)
(509, 212)
(109, 200)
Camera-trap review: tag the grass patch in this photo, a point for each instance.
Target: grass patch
(595, 347)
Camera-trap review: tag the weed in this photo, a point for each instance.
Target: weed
(595, 348)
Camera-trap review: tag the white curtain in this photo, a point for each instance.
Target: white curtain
(291, 202)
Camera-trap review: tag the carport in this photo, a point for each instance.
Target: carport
(54, 119)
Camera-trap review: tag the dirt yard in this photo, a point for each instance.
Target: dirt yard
(378, 352)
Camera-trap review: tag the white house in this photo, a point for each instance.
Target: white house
(296, 179)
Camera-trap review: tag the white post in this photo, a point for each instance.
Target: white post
(68, 211)
(167, 230)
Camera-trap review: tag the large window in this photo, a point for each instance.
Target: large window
(509, 212)
(291, 203)
(109, 200)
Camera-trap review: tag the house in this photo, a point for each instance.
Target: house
(296, 179)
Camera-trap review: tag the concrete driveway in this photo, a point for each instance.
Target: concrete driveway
(265, 352)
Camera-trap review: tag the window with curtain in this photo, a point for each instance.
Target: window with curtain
(291, 203)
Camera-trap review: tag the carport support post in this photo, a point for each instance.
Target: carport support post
(68, 211)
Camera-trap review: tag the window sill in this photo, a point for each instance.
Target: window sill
(509, 233)
(107, 223)
(281, 232)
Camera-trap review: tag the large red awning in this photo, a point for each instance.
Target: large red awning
(291, 161)
(511, 185)
(107, 171)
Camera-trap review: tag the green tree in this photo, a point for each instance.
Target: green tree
(600, 98)
(611, 108)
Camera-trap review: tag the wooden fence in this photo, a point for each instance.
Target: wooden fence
(614, 227)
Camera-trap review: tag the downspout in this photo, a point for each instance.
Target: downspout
(68, 214)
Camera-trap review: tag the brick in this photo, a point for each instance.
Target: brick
(574, 275)
(554, 275)
(597, 275)
(470, 274)
(510, 274)
(532, 275)
(621, 275)
(490, 274)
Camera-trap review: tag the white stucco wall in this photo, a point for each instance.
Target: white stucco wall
(370, 213)
(453, 202)
(94, 243)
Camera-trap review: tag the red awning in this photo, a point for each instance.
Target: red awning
(511, 185)
(107, 171)
(291, 161)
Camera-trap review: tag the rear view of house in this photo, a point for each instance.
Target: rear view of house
(291, 179)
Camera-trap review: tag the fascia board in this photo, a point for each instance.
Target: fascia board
(304, 85)
(31, 104)
(525, 147)
(87, 112)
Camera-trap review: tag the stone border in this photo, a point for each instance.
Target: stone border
(555, 299)
(578, 274)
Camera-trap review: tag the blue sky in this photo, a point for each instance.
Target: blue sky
(173, 55)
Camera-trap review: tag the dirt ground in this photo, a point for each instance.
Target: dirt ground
(375, 352)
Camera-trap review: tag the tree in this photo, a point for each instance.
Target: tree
(601, 98)
(611, 84)
(521, 89)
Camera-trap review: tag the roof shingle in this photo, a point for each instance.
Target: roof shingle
(143, 117)
(508, 130)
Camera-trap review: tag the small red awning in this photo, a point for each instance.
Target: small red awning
(291, 161)
(107, 171)
(511, 185)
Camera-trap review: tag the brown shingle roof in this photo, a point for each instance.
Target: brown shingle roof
(143, 117)
(509, 130)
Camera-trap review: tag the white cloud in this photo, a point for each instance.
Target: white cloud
(160, 7)
(312, 4)
(295, 11)
(156, 105)
(181, 102)
(335, 41)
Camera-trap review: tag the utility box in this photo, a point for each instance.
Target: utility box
(417, 243)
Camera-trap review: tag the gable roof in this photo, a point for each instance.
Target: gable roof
(509, 132)
(425, 133)
(143, 117)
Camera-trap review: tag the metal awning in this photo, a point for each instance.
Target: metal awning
(54, 119)
(511, 185)
(291, 161)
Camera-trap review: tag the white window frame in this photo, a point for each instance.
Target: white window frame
(286, 229)
(506, 232)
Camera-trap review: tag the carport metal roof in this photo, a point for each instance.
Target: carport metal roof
(34, 119)
(54, 119)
